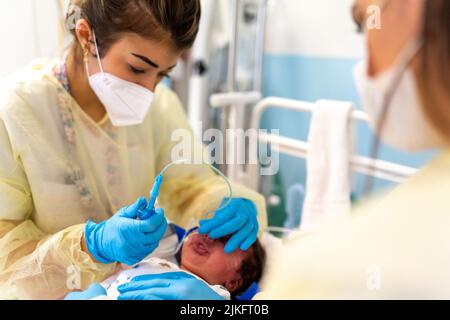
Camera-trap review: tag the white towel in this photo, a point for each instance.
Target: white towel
(328, 164)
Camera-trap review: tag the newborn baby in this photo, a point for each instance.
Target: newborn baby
(227, 274)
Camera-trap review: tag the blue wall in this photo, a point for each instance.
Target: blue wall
(309, 79)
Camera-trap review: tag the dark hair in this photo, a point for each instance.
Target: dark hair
(252, 267)
(434, 80)
(175, 21)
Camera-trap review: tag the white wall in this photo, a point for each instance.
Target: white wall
(295, 27)
(26, 33)
(321, 28)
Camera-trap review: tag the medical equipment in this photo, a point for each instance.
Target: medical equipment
(373, 167)
(234, 31)
(235, 116)
(159, 179)
(124, 239)
(250, 174)
(154, 193)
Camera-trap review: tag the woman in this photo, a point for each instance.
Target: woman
(396, 247)
(85, 136)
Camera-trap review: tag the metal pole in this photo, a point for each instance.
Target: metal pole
(232, 61)
(260, 45)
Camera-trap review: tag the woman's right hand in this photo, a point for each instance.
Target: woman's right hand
(123, 238)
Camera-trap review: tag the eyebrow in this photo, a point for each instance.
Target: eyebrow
(146, 60)
(149, 62)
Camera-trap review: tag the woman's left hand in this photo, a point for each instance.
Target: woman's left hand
(167, 286)
(238, 219)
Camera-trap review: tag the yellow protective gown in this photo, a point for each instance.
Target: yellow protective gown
(41, 214)
(396, 247)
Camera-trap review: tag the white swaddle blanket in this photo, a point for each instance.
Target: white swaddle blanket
(328, 164)
(151, 266)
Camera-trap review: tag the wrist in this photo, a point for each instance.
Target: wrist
(92, 239)
(85, 249)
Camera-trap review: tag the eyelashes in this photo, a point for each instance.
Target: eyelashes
(137, 71)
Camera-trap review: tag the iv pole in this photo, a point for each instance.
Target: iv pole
(233, 117)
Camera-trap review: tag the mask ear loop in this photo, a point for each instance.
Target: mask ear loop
(98, 57)
(411, 51)
(97, 52)
(193, 221)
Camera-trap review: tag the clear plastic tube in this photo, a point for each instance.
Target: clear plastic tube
(194, 222)
(227, 181)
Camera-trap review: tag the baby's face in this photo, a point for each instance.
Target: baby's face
(207, 259)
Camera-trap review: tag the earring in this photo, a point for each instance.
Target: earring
(85, 54)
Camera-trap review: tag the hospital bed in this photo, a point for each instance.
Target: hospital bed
(376, 168)
(250, 175)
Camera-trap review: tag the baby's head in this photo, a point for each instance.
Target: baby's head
(207, 259)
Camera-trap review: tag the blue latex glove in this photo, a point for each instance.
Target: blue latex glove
(125, 239)
(237, 219)
(93, 291)
(167, 286)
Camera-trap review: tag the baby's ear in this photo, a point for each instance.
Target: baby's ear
(234, 284)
